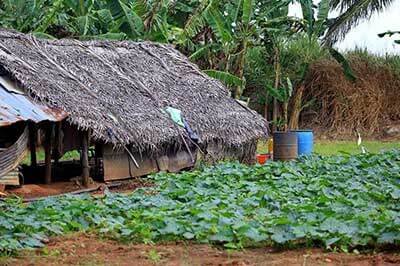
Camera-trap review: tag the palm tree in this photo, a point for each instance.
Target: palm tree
(352, 12)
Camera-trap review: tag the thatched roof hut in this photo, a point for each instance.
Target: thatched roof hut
(119, 90)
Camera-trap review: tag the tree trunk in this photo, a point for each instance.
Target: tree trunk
(277, 68)
(285, 115)
(266, 106)
(297, 106)
(242, 61)
(85, 159)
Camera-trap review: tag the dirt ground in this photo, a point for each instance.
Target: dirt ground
(81, 249)
(30, 191)
(42, 190)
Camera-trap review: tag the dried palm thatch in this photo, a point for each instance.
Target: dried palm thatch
(118, 90)
(343, 107)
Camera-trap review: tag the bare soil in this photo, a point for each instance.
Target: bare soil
(30, 191)
(42, 190)
(84, 249)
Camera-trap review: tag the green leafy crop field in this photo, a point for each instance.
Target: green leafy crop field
(337, 201)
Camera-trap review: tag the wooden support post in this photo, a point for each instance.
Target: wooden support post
(85, 158)
(32, 143)
(99, 154)
(47, 153)
(57, 142)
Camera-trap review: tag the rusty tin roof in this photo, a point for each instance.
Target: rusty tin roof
(15, 106)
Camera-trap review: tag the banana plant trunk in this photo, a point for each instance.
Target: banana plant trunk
(242, 62)
(275, 111)
(297, 106)
(285, 115)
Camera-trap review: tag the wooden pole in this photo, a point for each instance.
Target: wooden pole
(85, 158)
(32, 143)
(57, 140)
(47, 153)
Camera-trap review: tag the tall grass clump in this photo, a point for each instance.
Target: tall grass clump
(342, 106)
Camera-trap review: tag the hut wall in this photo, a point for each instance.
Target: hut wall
(117, 164)
(218, 151)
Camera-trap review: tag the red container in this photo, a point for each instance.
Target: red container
(262, 158)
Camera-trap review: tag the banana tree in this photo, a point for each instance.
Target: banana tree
(220, 33)
(27, 15)
(283, 95)
(275, 27)
(138, 20)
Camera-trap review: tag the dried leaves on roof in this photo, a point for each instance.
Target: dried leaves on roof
(118, 90)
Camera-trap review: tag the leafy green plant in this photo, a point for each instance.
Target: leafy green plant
(339, 201)
(283, 95)
(153, 256)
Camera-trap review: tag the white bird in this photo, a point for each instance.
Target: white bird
(359, 142)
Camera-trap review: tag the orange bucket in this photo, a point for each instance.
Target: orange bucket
(262, 158)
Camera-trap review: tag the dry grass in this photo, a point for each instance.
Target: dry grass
(344, 107)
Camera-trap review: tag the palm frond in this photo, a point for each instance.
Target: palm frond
(352, 12)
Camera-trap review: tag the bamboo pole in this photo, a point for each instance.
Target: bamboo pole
(85, 159)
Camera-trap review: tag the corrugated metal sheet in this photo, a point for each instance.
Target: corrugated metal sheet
(15, 106)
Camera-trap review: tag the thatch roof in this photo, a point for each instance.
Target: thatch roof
(118, 90)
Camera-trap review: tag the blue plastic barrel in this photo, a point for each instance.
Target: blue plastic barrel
(305, 142)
